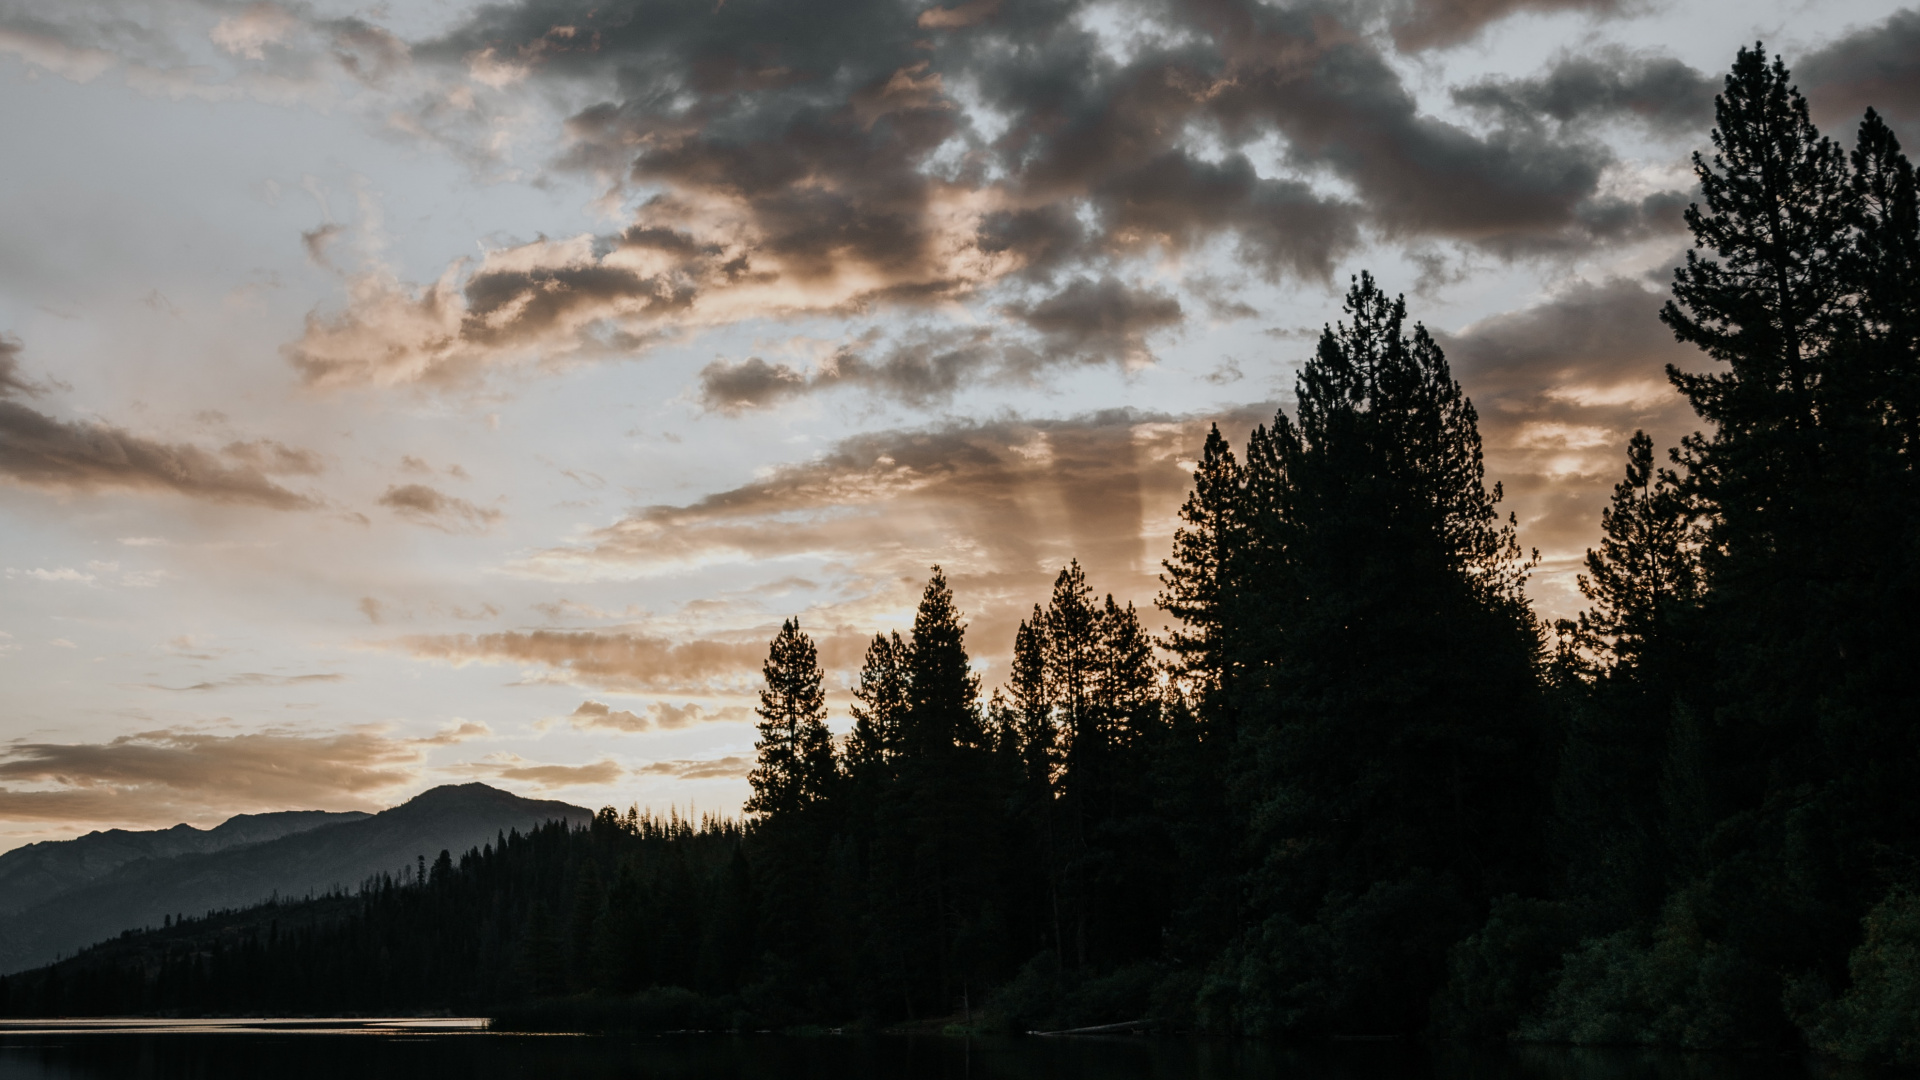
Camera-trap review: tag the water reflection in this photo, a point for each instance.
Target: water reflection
(392, 1050)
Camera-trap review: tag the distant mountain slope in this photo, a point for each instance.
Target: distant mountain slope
(36, 873)
(145, 892)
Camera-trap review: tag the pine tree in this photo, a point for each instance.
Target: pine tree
(941, 835)
(943, 691)
(1644, 573)
(1796, 472)
(795, 749)
(1196, 573)
(1031, 704)
(1071, 661)
(1771, 301)
(1885, 214)
(880, 706)
(1868, 727)
(1385, 682)
(1761, 292)
(1125, 684)
(1643, 584)
(1795, 285)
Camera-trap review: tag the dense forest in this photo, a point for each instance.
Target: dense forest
(1360, 788)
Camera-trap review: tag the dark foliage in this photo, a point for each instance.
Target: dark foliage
(627, 903)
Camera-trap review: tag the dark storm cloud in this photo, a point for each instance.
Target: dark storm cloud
(1338, 104)
(1106, 319)
(41, 451)
(1874, 67)
(752, 383)
(1661, 92)
(811, 158)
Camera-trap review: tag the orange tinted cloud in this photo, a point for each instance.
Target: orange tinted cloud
(167, 774)
(542, 775)
(607, 660)
(658, 715)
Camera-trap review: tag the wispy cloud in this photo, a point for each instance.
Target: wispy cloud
(38, 450)
(251, 679)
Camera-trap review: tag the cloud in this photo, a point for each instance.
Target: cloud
(457, 732)
(506, 766)
(1875, 67)
(252, 679)
(1004, 490)
(263, 51)
(1560, 386)
(592, 715)
(624, 661)
(317, 240)
(1087, 322)
(43, 47)
(423, 505)
(1001, 504)
(166, 774)
(57, 574)
(660, 715)
(273, 458)
(728, 768)
(784, 160)
(919, 367)
(249, 31)
(1428, 24)
(40, 451)
(12, 382)
(1607, 84)
(1105, 318)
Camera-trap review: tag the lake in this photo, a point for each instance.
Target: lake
(418, 1050)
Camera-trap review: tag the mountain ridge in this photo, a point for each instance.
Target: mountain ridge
(34, 873)
(332, 856)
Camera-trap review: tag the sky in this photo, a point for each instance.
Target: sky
(427, 392)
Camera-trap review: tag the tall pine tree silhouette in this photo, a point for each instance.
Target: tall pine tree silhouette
(1386, 688)
(795, 767)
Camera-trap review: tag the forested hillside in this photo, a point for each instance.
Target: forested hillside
(1361, 789)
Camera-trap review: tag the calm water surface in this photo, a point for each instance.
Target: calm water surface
(420, 1050)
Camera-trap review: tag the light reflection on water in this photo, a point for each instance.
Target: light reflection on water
(424, 1049)
(255, 1026)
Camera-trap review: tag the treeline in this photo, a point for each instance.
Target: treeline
(627, 903)
(1360, 788)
